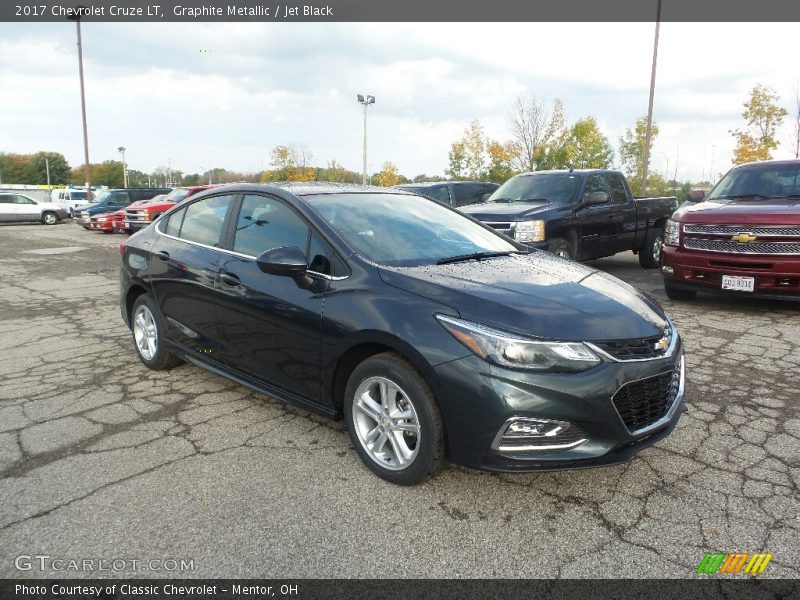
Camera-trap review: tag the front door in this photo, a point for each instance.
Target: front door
(270, 324)
(598, 221)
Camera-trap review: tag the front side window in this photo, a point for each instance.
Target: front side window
(202, 221)
(403, 229)
(23, 200)
(265, 223)
(439, 192)
(596, 183)
(617, 185)
(467, 193)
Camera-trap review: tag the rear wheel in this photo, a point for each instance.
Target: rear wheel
(49, 218)
(650, 253)
(393, 420)
(561, 247)
(674, 293)
(148, 336)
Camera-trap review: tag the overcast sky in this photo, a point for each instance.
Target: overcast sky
(223, 95)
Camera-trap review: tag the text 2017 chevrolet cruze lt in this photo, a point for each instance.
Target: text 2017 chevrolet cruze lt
(430, 334)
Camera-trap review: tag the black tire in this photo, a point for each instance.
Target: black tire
(49, 217)
(674, 293)
(161, 359)
(561, 247)
(128, 231)
(412, 389)
(650, 252)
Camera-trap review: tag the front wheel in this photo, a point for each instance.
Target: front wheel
(49, 218)
(393, 420)
(561, 247)
(650, 254)
(148, 336)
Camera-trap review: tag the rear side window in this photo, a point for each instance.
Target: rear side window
(439, 192)
(266, 223)
(201, 221)
(617, 185)
(6, 199)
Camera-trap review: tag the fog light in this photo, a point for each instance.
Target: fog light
(523, 434)
(667, 270)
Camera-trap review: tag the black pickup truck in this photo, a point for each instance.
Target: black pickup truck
(580, 214)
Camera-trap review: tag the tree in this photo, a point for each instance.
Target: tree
(631, 151)
(584, 146)
(31, 169)
(291, 163)
(535, 131)
(763, 116)
(456, 158)
(468, 154)
(796, 131)
(500, 158)
(388, 175)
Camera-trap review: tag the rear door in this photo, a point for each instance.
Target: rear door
(270, 324)
(598, 221)
(184, 272)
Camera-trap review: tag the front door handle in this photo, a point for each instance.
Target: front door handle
(230, 279)
(163, 255)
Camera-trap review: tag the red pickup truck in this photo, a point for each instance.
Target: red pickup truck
(744, 238)
(141, 214)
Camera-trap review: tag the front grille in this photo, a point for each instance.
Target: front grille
(504, 228)
(736, 229)
(731, 247)
(642, 403)
(136, 215)
(637, 349)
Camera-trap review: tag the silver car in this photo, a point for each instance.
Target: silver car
(19, 208)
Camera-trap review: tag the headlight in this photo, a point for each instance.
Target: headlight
(672, 233)
(508, 350)
(529, 231)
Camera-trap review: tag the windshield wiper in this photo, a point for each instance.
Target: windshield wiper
(741, 197)
(501, 200)
(473, 256)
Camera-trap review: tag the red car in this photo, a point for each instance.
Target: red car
(105, 221)
(744, 238)
(141, 214)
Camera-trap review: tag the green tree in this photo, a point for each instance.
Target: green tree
(59, 168)
(763, 116)
(468, 155)
(456, 159)
(584, 146)
(15, 168)
(501, 155)
(631, 151)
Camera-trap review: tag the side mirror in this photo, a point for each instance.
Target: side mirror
(696, 196)
(288, 261)
(596, 198)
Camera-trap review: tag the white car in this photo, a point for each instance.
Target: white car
(19, 207)
(68, 198)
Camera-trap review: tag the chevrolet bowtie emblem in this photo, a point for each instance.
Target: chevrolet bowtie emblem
(744, 238)
(662, 344)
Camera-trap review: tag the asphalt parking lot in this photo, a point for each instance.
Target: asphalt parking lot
(101, 458)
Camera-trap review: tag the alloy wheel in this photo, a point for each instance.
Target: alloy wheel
(145, 333)
(656, 249)
(386, 423)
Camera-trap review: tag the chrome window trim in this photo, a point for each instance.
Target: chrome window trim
(314, 274)
(672, 344)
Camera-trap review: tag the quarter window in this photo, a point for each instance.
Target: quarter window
(5, 199)
(266, 223)
(202, 221)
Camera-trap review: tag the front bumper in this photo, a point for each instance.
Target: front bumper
(478, 399)
(775, 276)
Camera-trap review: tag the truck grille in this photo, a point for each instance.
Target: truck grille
(637, 349)
(504, 228)
(642, 403)
(136, 215)
(735, 229)
(731, 247)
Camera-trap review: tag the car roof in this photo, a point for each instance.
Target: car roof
(768, 163)
(308, 188)
(432, 183)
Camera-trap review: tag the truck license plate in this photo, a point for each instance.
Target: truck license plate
(127, 224)
(738, 283)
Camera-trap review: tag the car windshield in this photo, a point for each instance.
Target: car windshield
(99, 197)
(764, 181)
(77, 195)
(176, 195)
(405, 230)
(560, 188)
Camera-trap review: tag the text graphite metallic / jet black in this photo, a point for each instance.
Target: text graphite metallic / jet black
(430, 334)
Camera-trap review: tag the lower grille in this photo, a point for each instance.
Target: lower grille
(730, 247)
(642, 403)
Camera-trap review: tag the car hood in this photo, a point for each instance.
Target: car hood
(537, 295)
(785, 211)
(507, 211)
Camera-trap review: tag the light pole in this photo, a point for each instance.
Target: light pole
(87, 175)
(365, 101)
(124, 167)
(645, 162)
(666, 169)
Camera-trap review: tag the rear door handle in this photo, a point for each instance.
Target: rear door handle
(163, 255)
(230, 279)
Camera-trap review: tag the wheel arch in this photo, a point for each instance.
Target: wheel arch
(131, 296)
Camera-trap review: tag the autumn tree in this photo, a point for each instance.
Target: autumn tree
(631, 151)
(535, 131)
(456, 159)
(468, 155)
(499, 169)
(763, 116)
(585, 147)
(291, 163)
(388, 175)
(31, 169)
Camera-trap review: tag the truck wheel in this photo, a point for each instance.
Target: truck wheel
(674, 293)
(561, 247)
(49, 218)
(650, 253)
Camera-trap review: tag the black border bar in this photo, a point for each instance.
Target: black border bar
(131, 11)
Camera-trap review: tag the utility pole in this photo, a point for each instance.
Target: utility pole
(87, 176)
(365, 101)
(47, 167)
(646, 161)
(124, 167)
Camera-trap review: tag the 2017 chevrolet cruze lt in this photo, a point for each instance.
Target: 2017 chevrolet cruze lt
(432, 336)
